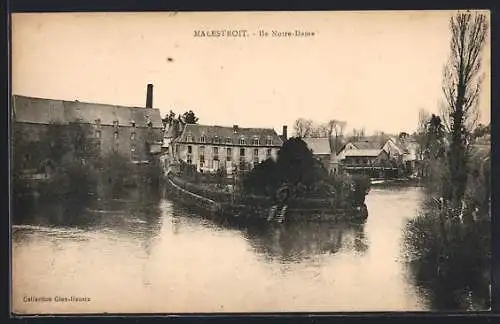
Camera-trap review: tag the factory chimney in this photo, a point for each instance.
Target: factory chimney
(149, 96)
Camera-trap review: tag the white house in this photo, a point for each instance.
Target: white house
(211, 148)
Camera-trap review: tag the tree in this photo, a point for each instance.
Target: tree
(168, 120)
(320, 130)
(303, 127)
(403, 136)
(480, 131)
(357, 134)
(295, 166)
(461, 87)
(335, 133)
(189, 117)
(421, 133)
(435, 133)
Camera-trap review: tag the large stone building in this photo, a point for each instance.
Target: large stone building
(211, 148)
(134, 132)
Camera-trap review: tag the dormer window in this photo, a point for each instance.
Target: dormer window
(255, 141)
(202, 138)
(228, 140)
(132, 123)
(269, 141)
(242, 141)
(189, 138)
(115, 123)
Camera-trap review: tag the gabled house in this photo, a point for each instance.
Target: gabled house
(372, 154)
(357, 145)
(365, 157)
(394, 150)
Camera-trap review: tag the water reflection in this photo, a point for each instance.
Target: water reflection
(136, 214)
(455, 274)
(159, 256)
(288, 242)
(296, 242)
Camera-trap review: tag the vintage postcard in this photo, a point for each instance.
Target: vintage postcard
(214, 162)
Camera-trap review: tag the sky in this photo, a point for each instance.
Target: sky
(373, 70)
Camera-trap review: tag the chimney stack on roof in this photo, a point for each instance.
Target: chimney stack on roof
(149, 96)
(284, 133)
(235, 128)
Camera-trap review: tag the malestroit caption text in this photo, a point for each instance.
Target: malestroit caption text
(243, 33)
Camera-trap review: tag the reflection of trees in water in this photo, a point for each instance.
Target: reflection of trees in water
(182, 215)
(294, 242)
(136, 214)
(289, 242)
(454, 278)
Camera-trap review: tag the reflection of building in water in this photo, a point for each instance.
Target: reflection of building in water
(296, 241)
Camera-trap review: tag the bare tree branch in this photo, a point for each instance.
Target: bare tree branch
(303, 127)
(462, 80)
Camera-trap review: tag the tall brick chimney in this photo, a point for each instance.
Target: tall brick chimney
(284, 134)
(149, 96)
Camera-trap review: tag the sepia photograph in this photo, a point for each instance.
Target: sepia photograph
(250, 162)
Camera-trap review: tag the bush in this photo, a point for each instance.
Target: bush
(449, 248)
(453, 264)
(361, 187)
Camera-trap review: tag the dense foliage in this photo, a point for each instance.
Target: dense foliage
(449, 243)
(297, 172)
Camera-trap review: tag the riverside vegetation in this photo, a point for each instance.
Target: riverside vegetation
(296, 178)
(449, 244)
(70, 169)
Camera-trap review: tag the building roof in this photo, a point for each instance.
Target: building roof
(223, 133)
(366, 144)
(363, 152)
(318, 145)
(45, 111)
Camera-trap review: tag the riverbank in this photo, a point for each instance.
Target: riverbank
(380, 182)
(222, 203)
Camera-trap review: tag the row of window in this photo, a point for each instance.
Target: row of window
(115, 135)
(242, 164)
(229, 152)
(229, 140)
(116, 123)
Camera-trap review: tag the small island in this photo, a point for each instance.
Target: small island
(295, 186)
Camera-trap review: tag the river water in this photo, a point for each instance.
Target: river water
(145, 254)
